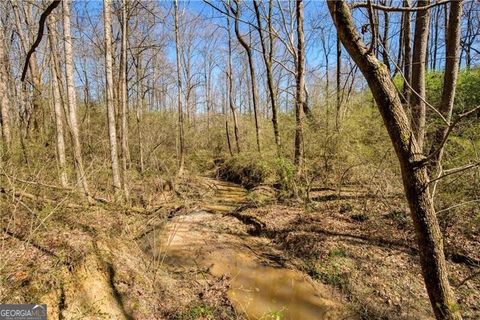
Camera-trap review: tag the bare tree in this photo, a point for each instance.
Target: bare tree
(408, 150)
(253, 81)
(140, 107)
(32, 67)
(268, 60)
(407, 53)
(181, 134)
(385, 39)
(339, 88)
(452, 59)
(112, 129)
(300, 88)
(420, 43)
(125, 155)
(230, 89)
(72, 100)
(57, 101)
(4, 98)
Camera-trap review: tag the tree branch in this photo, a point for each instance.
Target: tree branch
(447, 134)
(41, 28)
(456, 170)
(398, 9)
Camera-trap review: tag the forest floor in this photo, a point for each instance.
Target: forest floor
(212, 250)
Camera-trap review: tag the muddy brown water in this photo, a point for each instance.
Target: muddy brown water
(259, 286)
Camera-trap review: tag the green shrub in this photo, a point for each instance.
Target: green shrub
(251, 170)
(244, 169)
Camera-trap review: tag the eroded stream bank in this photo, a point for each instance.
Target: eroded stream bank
(261, 284)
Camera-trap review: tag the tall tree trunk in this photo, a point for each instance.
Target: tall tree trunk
(300, 89)
(57, 102)
(268, 60)
(339, 89)
(401, 48)
(435, 39)
(181, 161)
(124, 100)
(4, 98)
(225, 113)
(230, 89)
(112, 128)
(72, 100)
(420, 44)
(415, 178)
(139, 111)
(325, 42)
(253, 81)
(407, 54)
(452, 59)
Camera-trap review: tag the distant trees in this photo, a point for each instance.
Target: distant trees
(252, 58)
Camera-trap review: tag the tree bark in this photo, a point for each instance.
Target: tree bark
(57, 102)
(435, 39)
(72, 100)
(225, 113)
(181, 135)
(415, 178)
(420, 44)
(300, 89)
(4, 98)
(139, 111)
(386, 27)
(124, 100)
(407, 54)
(339, 89)
(251, 67)
(452, 59)
(268, 60)
(112, 129)
(230, 89)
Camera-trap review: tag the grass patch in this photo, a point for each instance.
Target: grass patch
(338, 252)
(273, 315)
(197, 312)
(330, 274)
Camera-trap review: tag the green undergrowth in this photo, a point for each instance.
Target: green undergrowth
(251, 170)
